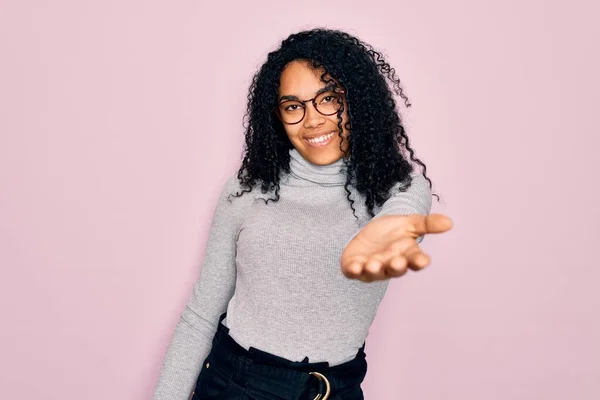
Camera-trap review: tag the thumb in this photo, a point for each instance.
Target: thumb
(433, 223)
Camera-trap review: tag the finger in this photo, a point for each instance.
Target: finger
(416, 258)
(354, 268)
(374, 269)
(432, 223)
(396, 267)
(397, 263)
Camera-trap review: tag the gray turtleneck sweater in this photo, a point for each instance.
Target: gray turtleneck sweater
(275, 269)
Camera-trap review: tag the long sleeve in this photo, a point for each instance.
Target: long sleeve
(416, 200)
(193, 334)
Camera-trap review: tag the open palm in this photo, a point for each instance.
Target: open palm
(387, 246)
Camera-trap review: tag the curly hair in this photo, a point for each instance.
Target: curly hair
(377, 144)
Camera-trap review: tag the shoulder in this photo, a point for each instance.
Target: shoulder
(231, 207)
(233, 193)
(419, 184)
(415, 198)
(231, 185)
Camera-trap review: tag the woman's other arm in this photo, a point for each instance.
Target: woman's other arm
(197, 325)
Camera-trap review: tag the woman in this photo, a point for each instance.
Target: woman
(325, 208)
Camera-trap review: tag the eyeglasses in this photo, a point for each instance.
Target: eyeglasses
(326, 103)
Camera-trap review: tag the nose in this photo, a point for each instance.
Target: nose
(313, 118)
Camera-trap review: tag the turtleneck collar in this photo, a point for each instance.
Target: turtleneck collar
(327, 175)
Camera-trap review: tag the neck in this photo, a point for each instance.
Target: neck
(330, 174)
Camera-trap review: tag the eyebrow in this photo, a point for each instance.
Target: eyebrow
(327, 88)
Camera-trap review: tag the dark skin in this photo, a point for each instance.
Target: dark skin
(300, 81)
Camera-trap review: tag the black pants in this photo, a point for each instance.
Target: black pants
(232, 372)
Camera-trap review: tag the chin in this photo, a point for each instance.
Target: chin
(324, 158)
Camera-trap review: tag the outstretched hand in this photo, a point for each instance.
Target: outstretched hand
(387, 246)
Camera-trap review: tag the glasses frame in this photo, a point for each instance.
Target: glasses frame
(342, 92)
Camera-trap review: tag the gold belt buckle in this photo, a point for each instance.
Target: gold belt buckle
(322, 377)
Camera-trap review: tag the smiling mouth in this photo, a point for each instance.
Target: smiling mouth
(320, 141)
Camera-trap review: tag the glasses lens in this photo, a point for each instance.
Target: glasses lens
(291, 111)
(328, 103)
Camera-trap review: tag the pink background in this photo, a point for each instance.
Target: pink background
(119, 121)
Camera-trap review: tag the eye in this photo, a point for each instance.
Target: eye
(290, 106)
(328, 98)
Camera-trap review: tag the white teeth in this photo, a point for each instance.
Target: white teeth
(321, 138)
